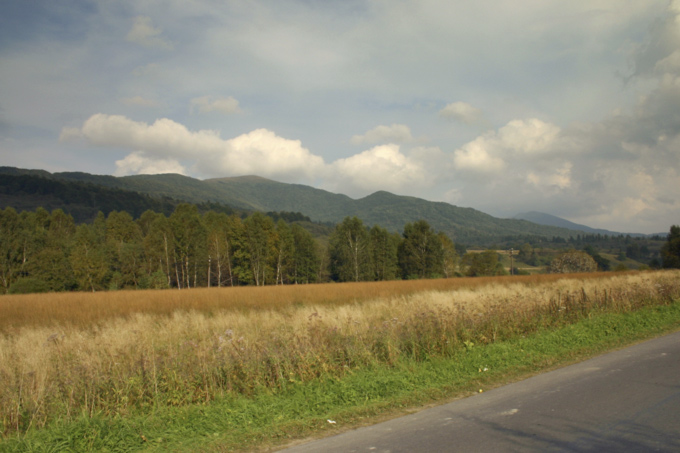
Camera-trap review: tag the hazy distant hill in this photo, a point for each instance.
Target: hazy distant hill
(383, 208)
(542, 218)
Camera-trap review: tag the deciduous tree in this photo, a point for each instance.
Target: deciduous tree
(349, 251)
(305, 261)
(420, 252)
(484, 264)
(124, 239)
(259, 242)
(284, 248)
(221, 237)
(449, 256)
(670, 251)
(384, 259)
(189, 234)
(51, 262)
(10, 247)
(159, 248)
(88, 256)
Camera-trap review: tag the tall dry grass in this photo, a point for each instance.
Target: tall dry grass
(86, 309)
(123, 360)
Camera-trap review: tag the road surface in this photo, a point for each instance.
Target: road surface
(623, 401)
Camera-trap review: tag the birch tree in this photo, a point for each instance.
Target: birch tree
(259, 235)
(349, 251)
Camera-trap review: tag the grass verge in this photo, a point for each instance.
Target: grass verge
(273, 418)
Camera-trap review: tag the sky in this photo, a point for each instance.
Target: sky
(568, 108)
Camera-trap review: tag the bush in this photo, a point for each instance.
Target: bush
(157, 280)
(573, 261)
(29, 285)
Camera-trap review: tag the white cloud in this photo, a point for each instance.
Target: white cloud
(264, 153)
(474, 156)
(396, 133)
(70, 134)
(205, 104)
(162, 138)
(139, 101)
(145, 34)
(490, 152)
(139, 164)
(259, 152)
(559, 179)
(528, 136)
(383, 167)
(463, 112)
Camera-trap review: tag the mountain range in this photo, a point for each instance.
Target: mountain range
(253, 193)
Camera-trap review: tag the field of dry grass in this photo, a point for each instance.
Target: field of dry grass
(84, 309)
(117, 353)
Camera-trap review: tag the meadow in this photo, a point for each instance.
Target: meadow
(121, 354)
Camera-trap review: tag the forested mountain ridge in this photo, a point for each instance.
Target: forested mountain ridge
(83, 201)
(266, 195)
(382, 208)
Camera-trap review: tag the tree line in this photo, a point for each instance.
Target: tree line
(42, 251)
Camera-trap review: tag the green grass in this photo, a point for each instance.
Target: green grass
(273, 418)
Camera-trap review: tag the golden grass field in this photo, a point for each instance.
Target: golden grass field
(67, 354)
(85, 309)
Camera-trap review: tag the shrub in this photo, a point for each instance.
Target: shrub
(573, 261)
(29, 285)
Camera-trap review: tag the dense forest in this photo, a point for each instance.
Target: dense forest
(43, 251)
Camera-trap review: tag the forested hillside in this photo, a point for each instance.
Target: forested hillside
(390, 211)
(82, 200)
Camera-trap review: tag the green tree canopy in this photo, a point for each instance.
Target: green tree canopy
(260, 244)
(306, 261)
(349, 251)
(484, 264)
(421, 254)
(88, 258)
(670, 251)
(449, 256)
(383, 248)
(190, 239)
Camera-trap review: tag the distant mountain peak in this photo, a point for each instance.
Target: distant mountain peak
(243, 178)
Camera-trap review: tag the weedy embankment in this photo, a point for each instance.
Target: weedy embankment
(201, 344)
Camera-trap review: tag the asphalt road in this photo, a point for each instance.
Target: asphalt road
(623, 401)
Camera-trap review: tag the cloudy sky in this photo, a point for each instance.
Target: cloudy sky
(570, 108)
